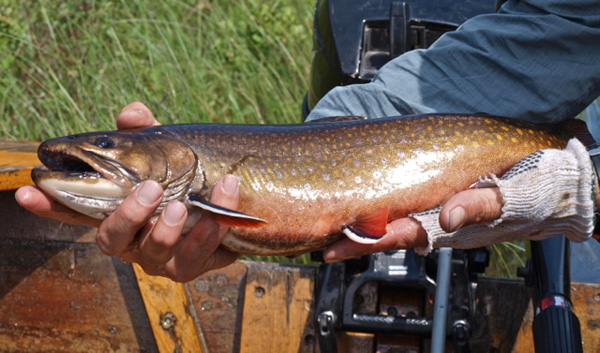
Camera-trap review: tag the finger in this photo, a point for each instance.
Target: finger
(34, 200)
(471, 206)
(157, 246)
(403, 233)
(117, 232)
(136, 115)
(199, 251)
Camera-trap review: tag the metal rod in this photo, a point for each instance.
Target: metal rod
(442, 292)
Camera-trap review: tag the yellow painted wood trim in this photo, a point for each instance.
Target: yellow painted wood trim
(168, 309)
(17, 158)
(277, 308)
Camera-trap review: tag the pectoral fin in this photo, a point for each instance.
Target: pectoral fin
(226, 216)
(368, 230)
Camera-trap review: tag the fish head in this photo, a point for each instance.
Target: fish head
(93, 173)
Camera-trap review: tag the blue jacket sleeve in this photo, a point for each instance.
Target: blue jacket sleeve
(536, 60)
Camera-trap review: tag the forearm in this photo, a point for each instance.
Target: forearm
(536, 60)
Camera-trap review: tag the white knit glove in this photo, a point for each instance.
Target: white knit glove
(548, 193)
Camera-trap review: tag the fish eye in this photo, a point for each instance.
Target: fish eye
(104, 142)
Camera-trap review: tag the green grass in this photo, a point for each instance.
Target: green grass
(71, 66)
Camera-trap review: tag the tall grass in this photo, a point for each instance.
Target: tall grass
(70, 66)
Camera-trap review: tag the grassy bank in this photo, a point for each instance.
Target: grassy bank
(69, 67)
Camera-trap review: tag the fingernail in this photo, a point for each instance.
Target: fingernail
(174, 212)
(230, 185)
(149, 193)
(133, 111)
(456, 218)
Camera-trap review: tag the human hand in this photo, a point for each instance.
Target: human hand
(463, 209)
(128, 233)
(134, 115)
(548, 193)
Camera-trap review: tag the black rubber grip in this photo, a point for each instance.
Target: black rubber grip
(556, 330)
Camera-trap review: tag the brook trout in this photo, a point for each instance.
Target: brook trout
(302, 186)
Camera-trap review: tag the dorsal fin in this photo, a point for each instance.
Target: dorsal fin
(337, 119)
(578, 129)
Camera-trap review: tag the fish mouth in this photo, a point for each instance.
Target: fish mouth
(76, 163)
(89, 183)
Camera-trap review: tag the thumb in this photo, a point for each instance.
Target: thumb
(471, 206)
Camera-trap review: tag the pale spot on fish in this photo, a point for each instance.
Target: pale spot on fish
(357, 179)
(499, 137)
(326, 177)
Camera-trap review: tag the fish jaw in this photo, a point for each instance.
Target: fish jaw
(87, 193)
(92, 173)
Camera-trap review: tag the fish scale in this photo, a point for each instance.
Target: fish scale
(311, 181)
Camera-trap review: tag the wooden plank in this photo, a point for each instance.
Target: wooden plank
(218, 300)
(76, 301)
(17, 158)
(64, 296)
(586, 305)
(167, 307)
(277, 310)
